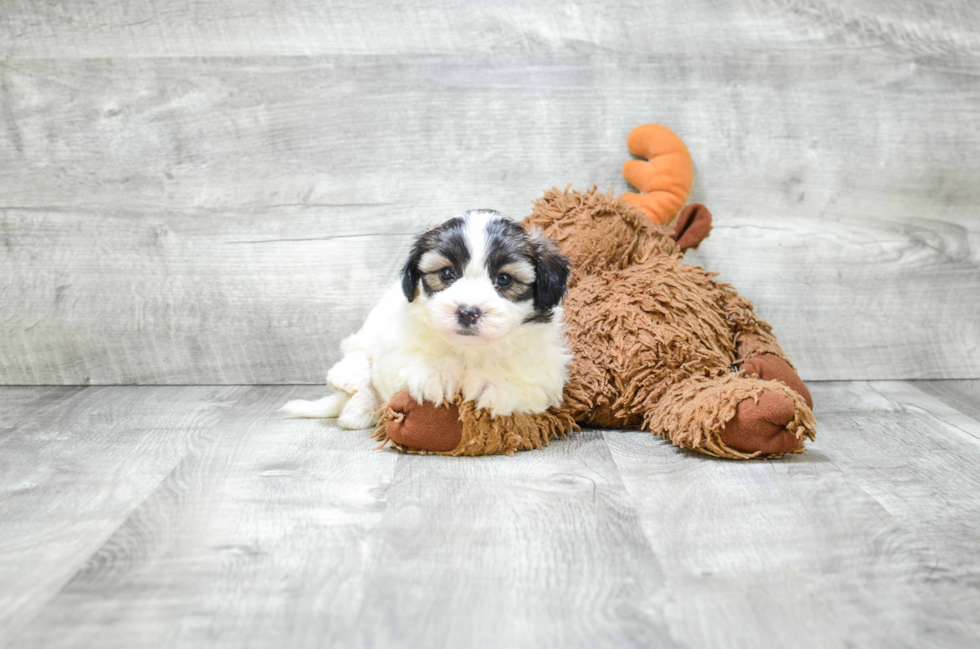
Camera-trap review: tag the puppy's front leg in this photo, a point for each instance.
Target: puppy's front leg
(503, 398)
(426, 382)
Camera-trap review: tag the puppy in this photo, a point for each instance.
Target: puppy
(475, 312)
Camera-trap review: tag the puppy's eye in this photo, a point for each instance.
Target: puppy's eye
(446, 274)
(504, 280)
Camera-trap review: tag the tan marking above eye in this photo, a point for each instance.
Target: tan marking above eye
(435, 281)
(433, 262)
(521, 271)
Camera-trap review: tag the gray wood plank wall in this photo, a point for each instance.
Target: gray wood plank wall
(217, 193)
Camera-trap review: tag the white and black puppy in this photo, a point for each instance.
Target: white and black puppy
(476, 312)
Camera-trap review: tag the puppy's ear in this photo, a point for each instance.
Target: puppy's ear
(410, 273)
(551, 273)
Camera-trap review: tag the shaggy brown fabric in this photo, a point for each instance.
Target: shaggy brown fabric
(656, 342)
(597, 231)
(642, 329)
(696, 414)
(753, 337)
(427, 429)
(657, 345)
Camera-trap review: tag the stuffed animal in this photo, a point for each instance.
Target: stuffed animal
(658, 344)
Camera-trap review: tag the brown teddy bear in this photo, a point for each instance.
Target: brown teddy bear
(657, 344)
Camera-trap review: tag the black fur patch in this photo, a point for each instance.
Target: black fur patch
(449, 240)
(507, 242)
(551, 274)
(542, 317)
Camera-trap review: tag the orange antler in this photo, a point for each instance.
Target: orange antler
(665, 176)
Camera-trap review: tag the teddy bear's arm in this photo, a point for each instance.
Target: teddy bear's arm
(459, 428)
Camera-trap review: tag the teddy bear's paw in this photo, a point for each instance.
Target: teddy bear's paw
(760, 425)
(424, 426)
(769, 367)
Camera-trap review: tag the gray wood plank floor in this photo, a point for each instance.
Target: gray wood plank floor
(198, 516)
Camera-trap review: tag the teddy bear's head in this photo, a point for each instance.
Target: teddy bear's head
(597, 231)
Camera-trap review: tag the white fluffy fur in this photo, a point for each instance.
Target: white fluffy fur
(507, 367)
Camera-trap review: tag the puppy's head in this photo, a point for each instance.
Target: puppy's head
(480, 276)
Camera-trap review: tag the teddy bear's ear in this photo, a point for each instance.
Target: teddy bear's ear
(691, 226)
(551, 269)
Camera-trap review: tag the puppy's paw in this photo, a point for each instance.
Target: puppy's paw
(498, 399)
(360, 412)
(350, 374)
(429, 384)
(356, 417)
(504, 398)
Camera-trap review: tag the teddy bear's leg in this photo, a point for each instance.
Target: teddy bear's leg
(733, 416)
(459, 428)
(757, 351)
(770, 367)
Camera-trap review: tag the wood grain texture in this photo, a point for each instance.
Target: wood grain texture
(161, 299)
(917, 457)
(259, 537)
(74, 464)
(539, 549)
(117, 28)
(963, 396)
(875, 522)
(833, 141)
(195, 516)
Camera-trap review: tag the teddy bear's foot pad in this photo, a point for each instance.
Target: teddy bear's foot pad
(760, 425)
(769, 367)
(424, 426)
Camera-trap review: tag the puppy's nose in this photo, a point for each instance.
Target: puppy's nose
(467, 315)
